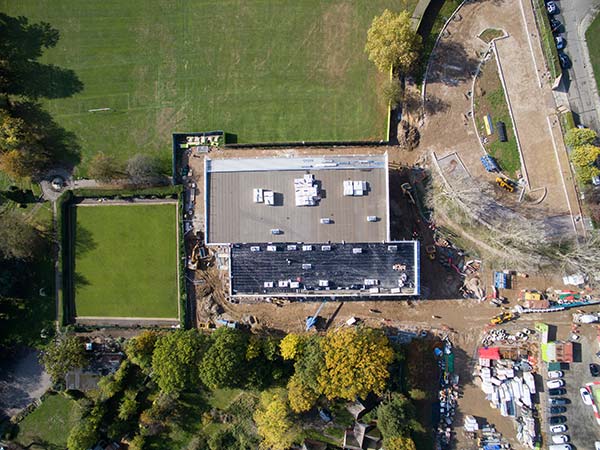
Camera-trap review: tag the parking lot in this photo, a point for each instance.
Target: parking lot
(582, 427)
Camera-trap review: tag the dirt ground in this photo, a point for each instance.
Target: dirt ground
(448, 125)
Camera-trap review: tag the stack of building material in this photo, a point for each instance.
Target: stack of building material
(306, 191)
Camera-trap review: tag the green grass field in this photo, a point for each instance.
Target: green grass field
(592, 36)
(126, 261)
(49, 424)
(262, 70)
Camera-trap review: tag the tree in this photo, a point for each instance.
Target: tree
(223, 363)
(13, 163)
(582, 257)
(64, 354)
(143, 169)
(399, 443)
(392, 42)
(129, 404)
(137, 443)
(83, 436)
(289, 345)
(18, 239)
(397, 417)
(586, 158)
(139, 350)
(356, 363)
(104, 168)
(12, 131)
(175, 360)
(301, 396)
(576, 137)
(273, 421)
(392, 92)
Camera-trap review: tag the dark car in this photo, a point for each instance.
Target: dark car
(594, 370)
(557, 409)
(557, 392)
(555, 25)
(564, 60)
(557, 401)
(556, 420)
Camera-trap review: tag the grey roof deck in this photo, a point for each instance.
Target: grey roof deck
(344, 270)
(232, 216)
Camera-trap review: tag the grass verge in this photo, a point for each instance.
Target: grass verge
(490, 99)
(592, 36)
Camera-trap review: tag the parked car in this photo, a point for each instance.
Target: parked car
(557, 401)
(560, 42)
(558, 428)
(558, 409)
(557, 392)
(551, 8)
(586, 396)
(553, 384)
(594, 370)
(555, 25)
(556, 420)
(560, 438)
(564, 60)
(555, 374)
(560, 447)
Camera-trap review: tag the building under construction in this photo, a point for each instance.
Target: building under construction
(307, 227)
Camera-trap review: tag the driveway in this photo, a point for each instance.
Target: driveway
(22, 380)
(580, 83)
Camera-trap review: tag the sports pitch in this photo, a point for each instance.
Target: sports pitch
(263, 70)
(126, 261)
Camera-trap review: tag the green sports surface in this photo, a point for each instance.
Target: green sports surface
(265, 71)
(592, 36)
(126, 261)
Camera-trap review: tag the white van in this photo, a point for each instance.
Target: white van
(560, 447)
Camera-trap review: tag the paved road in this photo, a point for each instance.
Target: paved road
(576, 16)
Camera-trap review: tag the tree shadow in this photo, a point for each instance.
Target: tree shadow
(84, 241)
(451, 64)
(57, 144)
(22, 44)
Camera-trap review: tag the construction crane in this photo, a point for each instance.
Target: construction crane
(311, 321)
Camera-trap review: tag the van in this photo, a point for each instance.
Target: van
(560, 447)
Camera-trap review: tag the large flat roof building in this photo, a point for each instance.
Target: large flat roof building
(307, 227)
(311, 199)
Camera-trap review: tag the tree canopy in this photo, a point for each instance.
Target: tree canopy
(175, 360)
(392, 42)
(586, 159)
(577, 137)
(223, 363)
(140, 349)
(396, 417)
(275, 426)
(104, 168)
(64, 354)
(18, 239)
(356, 363)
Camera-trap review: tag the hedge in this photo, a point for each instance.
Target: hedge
(64, 288)
(547, 38)
(160, 191)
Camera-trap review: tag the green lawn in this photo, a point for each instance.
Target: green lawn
(126, 261)
(262, 70)
(592, 36)
(49, 424)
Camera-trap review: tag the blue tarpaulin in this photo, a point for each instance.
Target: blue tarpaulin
(501, 280)
(490, 164)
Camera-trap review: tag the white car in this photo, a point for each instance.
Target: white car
(553, 384)
(597, 445)
(560, 438)
(586, 396)
(558, 428)
(560, 447)
(551, 7)
(555, 374)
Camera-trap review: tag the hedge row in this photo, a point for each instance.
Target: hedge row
(64, 288)
(547, 38)
(160, 191)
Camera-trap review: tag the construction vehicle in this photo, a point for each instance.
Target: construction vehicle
(206, 325)
(502, 318)
(505, 184)
(193, 262)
